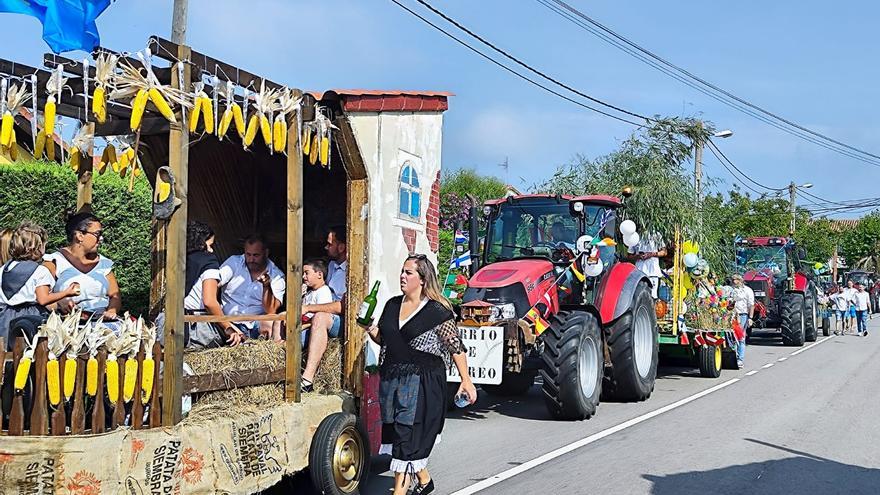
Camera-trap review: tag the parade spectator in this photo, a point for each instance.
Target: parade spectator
(5, 237)
(744, 306)
(850, 294)
(419, 338)
(80, 263)
(863, 309)
(327, 319)
(252, 285)
(841, 309)
(26, 284)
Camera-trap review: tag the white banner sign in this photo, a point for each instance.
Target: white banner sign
(485, 355)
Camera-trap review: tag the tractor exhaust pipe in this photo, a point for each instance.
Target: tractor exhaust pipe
(473, 241)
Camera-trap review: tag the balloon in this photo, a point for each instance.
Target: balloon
(627, 227)
(818, 266)
(682, 292)
(690, 247)
(631, 239)
(684, 307)
(686, 282)
(691, 260)
(594, 269)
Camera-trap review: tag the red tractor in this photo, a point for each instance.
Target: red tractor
(563, 304)
(785, 293)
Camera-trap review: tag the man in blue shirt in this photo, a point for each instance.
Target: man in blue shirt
(327, 321)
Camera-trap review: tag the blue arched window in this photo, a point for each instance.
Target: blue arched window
(410, 204)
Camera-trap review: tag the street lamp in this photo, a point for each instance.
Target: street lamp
(792, 193)
(698, 162)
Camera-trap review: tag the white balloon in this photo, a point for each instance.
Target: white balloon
(684, 307)
(631, 239)
(594, 269)
(627, 227)
(691, 260)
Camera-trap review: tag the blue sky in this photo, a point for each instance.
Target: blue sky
(807, 61)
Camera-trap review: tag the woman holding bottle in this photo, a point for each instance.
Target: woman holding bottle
(418, 335)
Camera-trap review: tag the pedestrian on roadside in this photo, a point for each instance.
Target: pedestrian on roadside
(850, 294)
(841, 308)
(419, 342)
(863, 309)
(744, 305)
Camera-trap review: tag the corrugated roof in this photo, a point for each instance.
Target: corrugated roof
(847, 223)
(379, 92)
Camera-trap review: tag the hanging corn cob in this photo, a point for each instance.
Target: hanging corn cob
(143, 86)
(148, 337)
(324, 129)
(105, 68)
(288, 106)
(77, 340)
(24, 364)
(96, 336)
(82, 142)
(53, 88)
(15, 97)
(306, 141)
(226, 120)
(58, 335)
(108, 157)
(265, 104)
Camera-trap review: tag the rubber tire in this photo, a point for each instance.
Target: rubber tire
(624, 383)
(562, 343)
(792, 314)
(728, 360)
(512, 384)
(322, 450)
(826, 326)
(706, 362)
(811, 310)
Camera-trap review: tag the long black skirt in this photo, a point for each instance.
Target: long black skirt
(412, 444)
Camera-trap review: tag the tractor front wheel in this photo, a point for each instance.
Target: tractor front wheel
(572, 373)
(826, 326)
(710, 359)
(811, 316)
(634, 352)
(792, 314)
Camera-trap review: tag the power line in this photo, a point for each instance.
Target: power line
(655, 61)
(508, 69)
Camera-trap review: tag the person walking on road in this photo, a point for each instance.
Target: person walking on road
(841, 309)
(850, 294)
(744, 305)
(419, 338)
(863, 309)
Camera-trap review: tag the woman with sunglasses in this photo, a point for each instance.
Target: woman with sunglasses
(79, 262)
(419, 338)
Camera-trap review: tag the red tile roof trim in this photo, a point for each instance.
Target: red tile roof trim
(394, 103)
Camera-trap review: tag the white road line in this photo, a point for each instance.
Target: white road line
(814, 344)
(783, 358)
(768, 365)
(549, 456)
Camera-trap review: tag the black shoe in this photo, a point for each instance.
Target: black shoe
(307, 386)
(421, 489)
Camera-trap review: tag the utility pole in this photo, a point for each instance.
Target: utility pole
(792, 193)
(178, 22)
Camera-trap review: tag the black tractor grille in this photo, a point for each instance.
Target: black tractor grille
(756, 285)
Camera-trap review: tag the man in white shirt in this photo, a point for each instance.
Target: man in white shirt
(252, 285)
(327, 320)
(646, 256)
(849, 293)
(863, 304)
(744, 306)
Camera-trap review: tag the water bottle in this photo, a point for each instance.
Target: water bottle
(462, 400)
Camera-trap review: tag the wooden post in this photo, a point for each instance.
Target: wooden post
(353, 353)
(78, 414)
(293, 355)
(84, 176)
(16, 416)
(39, 411)
(175, 259)
(137, 405)
(99, 417)
(155, 404)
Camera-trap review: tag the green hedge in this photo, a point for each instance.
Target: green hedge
(45, 192)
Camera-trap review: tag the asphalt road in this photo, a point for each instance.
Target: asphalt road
(795, 420)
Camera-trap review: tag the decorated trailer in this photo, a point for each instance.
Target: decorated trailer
(295, 171)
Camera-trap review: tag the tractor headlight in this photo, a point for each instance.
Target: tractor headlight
(503, 312)
(487, 210)
(578, 206)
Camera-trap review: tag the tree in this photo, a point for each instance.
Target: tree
(456, 186)
(860, 246)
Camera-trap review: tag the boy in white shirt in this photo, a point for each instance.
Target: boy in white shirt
(841, 308)
(316, 289)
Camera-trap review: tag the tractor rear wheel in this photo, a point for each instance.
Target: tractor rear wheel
(709, 358)
(826, 326)
(573, 362)
(792, 314)
(634, 352)
(811, 316)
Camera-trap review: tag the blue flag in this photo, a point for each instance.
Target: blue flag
(67, 24)
(463, 260)
(460, 237)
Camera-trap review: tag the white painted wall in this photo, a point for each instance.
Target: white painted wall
(387, 140)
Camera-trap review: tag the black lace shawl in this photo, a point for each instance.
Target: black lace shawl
(426, 341)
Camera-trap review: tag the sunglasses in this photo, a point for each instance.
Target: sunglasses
(99, 235)
(416, 256)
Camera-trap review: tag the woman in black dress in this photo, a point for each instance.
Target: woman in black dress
(418, 335)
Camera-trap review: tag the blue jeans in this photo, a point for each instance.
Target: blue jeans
(862, 319)
(741, 344)
(332, 333)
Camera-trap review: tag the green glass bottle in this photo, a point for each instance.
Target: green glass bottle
(365, 314)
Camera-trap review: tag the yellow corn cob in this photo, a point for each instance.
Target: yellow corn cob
(112, 378)
(53, 381)
(313, 150)
(40, 146)
(162, 105)
(137, 108)
(50, 147)
(13, 149)
(74, 158)
(239, 119)
(99, 105)
(147, 379)
(69, 377)
(208, 114)
(224, 122)
(251, 130)
(6, 129)
(21, 374)
(279, 140)
(92, 376)
(131, 370)
(266, 129)
(325, 151)
(137, 170)
(108, 157)
(49, 115)
(195, 114)
(120, 164)
(306, 140)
